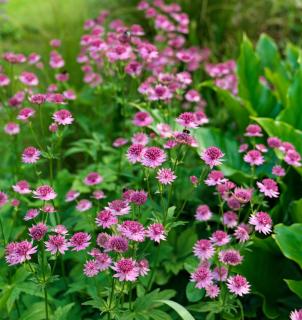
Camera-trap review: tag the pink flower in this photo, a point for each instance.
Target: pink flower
(140, 138)
(29, 78)
(194, 180)
(253, 130)
(203, 249)
(192, 96)
(25, 114)
(274, 142)
(30, 155)
(83, 205)
(91, 268)
(215, 178)
(292, 158)
(116, 243)
(202, 276)
(102, 259)
(262, 222)
(143, 267)
(60, 229)
(296, 315)
(238, 285)
(126, 270)
(44, 193)
(242, 233)
(230, 257)
(118, 207)
(165, 176)
(138, 197)
(119, 142)
(156, 232)
(119, 52)
(211, 156)
(212, 291)
(4, 80)
(132, 230)
(38, 231)
(230, 219)
(98, 194)
(269, 187)
(220, 238)
(38, 98)
(19, 252)
(203, 213)
(71, 195)
(142, 119)
(31, 214)
(243, 195)
(164, 130)
(12, 128)
(22, 187)
(261, 147)
(243, 147)
(134, 68)
(93, 178)
(187, 119)
(80, 241)
(63, 117)
(278, 171)
(220, 273)
(56, 243)
(153, 157)
(105, 219)
(254, 158)
(134, 153)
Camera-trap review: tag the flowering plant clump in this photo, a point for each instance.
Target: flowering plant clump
(135, 189)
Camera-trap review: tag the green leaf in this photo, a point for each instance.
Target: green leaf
(182, 312)
(292, 55)
(36, 312)
(296, 210)
(157, 314)
(185, 242)
(295, 286)
(62, 312)
(194, 294)
(289, 240)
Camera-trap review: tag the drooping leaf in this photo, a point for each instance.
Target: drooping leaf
(179, 309)
(295, 286)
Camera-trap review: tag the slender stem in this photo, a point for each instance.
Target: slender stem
(44, 283)
(130, 296)
(149, 286)
(111, 298)
(2, 231)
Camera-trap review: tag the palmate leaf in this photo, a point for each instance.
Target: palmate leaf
(62, 312)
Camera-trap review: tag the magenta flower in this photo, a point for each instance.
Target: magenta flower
(138, 197)
(38, 231)
(242, 233)
(98, 194)
(156, 232)
(12, 128)
(119, 142)
(29, 78)
(63, 117)
(269, 187)
(83, 205)
(60, 229)
(243, 195)
(126, 270)
(202, 276)
(91, 268)
(115, 243)
(230, 219)
(203, 213)
(3, 199)
(71, 195)
(4, 80)
(212, 291)
(230, 257)
(203, 249)
(253, 130)
(19, 252)
(165, 176)
(278, 171)
(274, 142)
(164, 130)
(44, 193)
(22, 187)
(105, 219)
(220, 273)
(30, 155)
(220, 238)
(153, 157)
(262, 222)
(93, 178)
(215, 178)
(192, 96)
(25, 114)
(56, 243)
(238, 285)
(140, 138)
(143, 267)
(187, 120)
(132, 230)
(293, 158)
(118, 207)
(254, 158)
(80, 241)
(31, 214)
(296, 315)
(243, 147)
(142, 119)
(212, 156)
(134, 153)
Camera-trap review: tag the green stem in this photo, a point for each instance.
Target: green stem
(44, 283)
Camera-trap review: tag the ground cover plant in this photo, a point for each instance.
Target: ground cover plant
(156, 183)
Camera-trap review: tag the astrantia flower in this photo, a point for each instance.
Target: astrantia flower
(242, 233)
(164, 130)
(230, 219)
(165, 176)
(30, 155)
(56, 243)
(202, 276)
(60, 229)
(230, 257)
(156, 232)
(274, 142)
(142, 119)
(187, 119)
(140, 138)
(19, 252)
(262, 222)
(203, 249)
(212, 291)
(38, 231)
(22, 187)
(44, 193)
(105, 219)
(278, 171)
(194, 180)
(80, 241)
(31, 214)
(71, 195)
(29, 78)
(293, 158)
(269, 187)
(93, 178)
(296, 315)
(132, 230)
(138, 197)
(153, 157)
(261, 147)
(102, 239)
(203, 213)
(192, 96)
(238, 285)
(220, 238)
(254, 158)
(126, 270)
(253, 130)
(143, 267)
(134, 153)
(25, 114)
(243, 195)
(98, 194)
(63, 117)
(185, 138)
(243, 147)
(220, 273)
(212, 156)
(117, 244)
(83, 205)
(118, 207)
(214, 178)
(119, 142)
(12, 128)
(103, 260)
(91, 268)
(4, 80)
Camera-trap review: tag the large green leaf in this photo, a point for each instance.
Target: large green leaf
(289, 239)
(295, 286)
(182, 312)
(194, 294)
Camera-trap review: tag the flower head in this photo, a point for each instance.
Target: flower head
(80, 241)
(56, 243)
(202, 276)
(269, 187)
(22, 187)
(153, 157)
(105, 219)
(262, 222)
(38, 231)
(83, 205)
(118, 207)
(220, 238)
(63, 117)
(126, 269)
(203, 249)
(132, 230)
(142, 119)
(212, 156)
(19, 252)
(254, 158)
(238, 285)
(230, 257)
(203, 213)
(156, 232)
(165, 176)
(44, 193)
(296, 315)
(93, 178)
(253, 130)
(30, 155)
